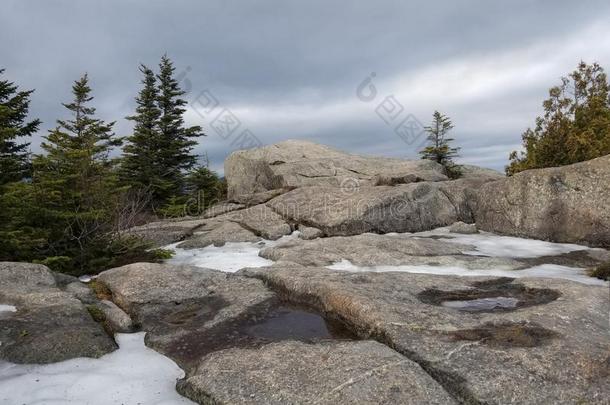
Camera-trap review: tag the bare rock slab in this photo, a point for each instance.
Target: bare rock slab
(296, 163)
(485, 340)
(382, 250)
(561, 204)
(49, 325)
(364, 372)
(219, 233)
(179, 305)
(163, 233)
(382, 209)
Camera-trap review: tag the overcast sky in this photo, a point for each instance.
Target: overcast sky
(288, 69)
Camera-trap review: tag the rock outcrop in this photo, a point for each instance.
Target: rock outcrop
(342, 373)
(486, 340)
(383, 250)
(562, 204)
(49, 325)
(293, 163)
(404, 208)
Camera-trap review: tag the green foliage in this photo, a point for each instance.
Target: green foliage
(205, 185)
(440, 149)
(602, 271)
(158, 153)
(575, 125)
(96, 313)
(14, 106)
(139, 167)
(74, 183)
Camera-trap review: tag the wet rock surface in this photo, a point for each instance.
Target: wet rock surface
(49, 325)
(552, 347)
(299, 373)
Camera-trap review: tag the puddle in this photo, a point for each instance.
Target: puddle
(507, 335)
(290, 323)
(489, 296)
(282, 322)
(483, 304)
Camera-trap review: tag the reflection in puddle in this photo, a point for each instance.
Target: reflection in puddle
(483, 304)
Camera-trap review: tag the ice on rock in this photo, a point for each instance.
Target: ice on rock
(489, 244)
(7, 308)
(230, 258)
(545, 270)
(133, 374)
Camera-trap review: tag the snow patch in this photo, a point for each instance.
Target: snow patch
(7, 308)
(231, 257)
(133, 374)
(489, 244)
(545, 270)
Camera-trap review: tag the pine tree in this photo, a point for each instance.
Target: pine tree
(575, 125)
(74, 182)
(140, 166)
(176, 140)
(440, 149)
(14, 106)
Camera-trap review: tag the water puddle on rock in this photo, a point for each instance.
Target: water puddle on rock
(281, 322)
(483, 304)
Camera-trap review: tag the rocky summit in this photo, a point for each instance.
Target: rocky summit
(331, 278)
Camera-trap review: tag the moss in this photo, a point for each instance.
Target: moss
(602, 271)
(96, 313)
(506, 335)
(101, 291)
(162, 254)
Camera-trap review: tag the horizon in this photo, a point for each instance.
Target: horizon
(297, 77)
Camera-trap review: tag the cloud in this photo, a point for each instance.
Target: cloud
(290, 70)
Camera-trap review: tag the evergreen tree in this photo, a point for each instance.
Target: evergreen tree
(176, 140)
(440, 149)
(575, 125)
(75, 184)
(14, 106)
(140, 166)
(17, 239)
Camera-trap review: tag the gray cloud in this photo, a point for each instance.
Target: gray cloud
(290, 70)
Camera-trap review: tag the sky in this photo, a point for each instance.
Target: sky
(360, 76)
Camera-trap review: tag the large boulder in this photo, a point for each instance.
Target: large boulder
(403, 208)
(49, 325)
(562, 204)
(332, 372)
(486, 340)
(297, 163)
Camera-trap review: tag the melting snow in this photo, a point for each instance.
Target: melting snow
(230, 257)
(7, 308)
(133, 374)
(488, 244)
(234, 256)
(545, 270)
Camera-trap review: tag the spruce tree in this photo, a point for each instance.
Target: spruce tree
(14, 106)
(440, 149)
(140, 164)
(18, 240)
(75, 184)
(176, 140)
